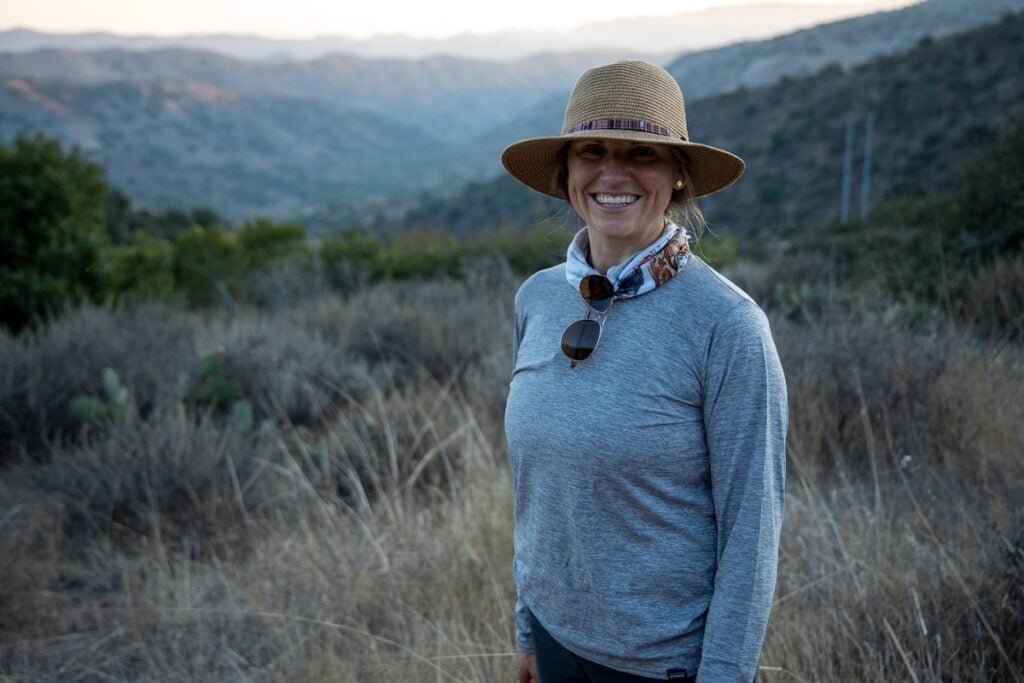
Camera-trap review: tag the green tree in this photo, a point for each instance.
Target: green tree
(51, 226)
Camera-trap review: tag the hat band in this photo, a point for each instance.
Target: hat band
(625, 124)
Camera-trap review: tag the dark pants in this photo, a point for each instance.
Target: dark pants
(555, 664)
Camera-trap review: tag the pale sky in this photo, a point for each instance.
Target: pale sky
(353, 18)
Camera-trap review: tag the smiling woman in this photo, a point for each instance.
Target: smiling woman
(648, 473)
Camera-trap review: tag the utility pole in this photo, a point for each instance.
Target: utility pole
(865, 179)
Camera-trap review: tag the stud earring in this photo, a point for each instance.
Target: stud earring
(679, 184)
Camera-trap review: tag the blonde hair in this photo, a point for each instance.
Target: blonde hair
(683, 209)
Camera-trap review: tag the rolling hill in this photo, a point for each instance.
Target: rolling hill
(933, 107)
(847, 43)
(669, 34)
(178, 127)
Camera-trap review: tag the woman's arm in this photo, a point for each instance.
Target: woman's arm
(745, 419)
(524, 639)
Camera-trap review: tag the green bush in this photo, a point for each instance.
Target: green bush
(421, 255)
(51, 228)
(525, 252)
(261, 243)
(207, 266)
(143, 269)
(350, 259)
(720, 252)
(276, 262)
(125, 221)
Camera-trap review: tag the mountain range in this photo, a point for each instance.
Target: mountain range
(847, 43)
(931, 109)
(363, 137)
(656, 36)
(181, 127)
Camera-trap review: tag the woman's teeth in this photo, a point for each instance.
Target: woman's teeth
(615, 199)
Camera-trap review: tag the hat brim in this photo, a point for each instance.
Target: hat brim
(534, 161)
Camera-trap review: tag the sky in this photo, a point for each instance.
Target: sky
(352, 18)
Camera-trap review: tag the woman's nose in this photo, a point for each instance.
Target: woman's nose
(614, 166)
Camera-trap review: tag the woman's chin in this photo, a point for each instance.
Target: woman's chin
(624, 229)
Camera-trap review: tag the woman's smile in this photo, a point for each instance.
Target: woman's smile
(614, 200)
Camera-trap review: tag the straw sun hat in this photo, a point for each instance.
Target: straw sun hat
(627, 100)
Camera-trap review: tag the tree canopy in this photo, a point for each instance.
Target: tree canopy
(52, 228)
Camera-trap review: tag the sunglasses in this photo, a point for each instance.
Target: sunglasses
(580, 338)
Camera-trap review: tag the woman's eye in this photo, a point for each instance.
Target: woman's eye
(592, 151)
(643, 152)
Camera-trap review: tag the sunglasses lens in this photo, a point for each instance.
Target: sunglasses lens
(580, 339)
(597, 291)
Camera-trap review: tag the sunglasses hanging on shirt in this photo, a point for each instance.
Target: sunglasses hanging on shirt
(581, 337)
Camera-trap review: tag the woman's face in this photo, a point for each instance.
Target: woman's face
(620, 188)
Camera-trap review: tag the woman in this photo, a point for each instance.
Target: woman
(646, 422)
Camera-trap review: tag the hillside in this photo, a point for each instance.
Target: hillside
(847, 43)
(803, 53)
(665, 34)
(180, 144)
(932, 106)
(345, 137)
(181, 127)
(455, 97)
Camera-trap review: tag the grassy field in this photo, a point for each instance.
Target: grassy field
(359, 528)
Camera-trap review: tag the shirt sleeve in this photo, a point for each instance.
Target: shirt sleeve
(745, 420)
(524, 635)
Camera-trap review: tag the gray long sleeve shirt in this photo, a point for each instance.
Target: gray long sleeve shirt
(649, 478)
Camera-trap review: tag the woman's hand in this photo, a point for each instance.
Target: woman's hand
(526, 671)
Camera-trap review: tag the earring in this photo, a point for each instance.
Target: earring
(679, 184)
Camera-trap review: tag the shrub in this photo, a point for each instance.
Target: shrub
(179, 537)
(149, 346)
(51, 228)
(525, 252)
(190, 471)
(143, 269)
(421, 255)
(719, 252)
(262, 243)
(207, 266)
(990, 219)
(994, 299)
(350, 260)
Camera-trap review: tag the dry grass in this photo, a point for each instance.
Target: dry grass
(363, 531)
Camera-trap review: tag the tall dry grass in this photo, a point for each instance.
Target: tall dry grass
(362, 530)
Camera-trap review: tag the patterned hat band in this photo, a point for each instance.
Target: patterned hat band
(624, 124)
